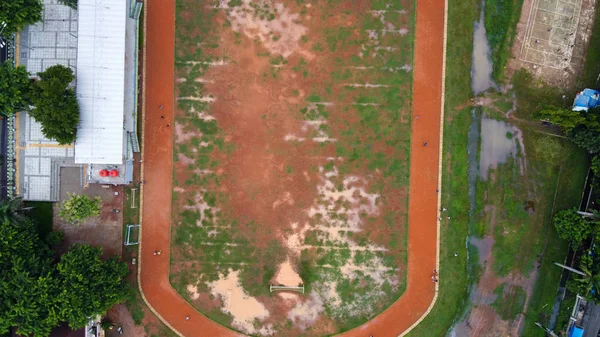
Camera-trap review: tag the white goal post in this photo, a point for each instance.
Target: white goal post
(299, 289)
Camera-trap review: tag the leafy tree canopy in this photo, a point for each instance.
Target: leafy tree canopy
(25, 281)
(586, 138)
(572, 226)
(36, 295)
(589, 284)
(565, 118)
(19, 13)
(56, 107)
(14, 88)
(79, 208)
(101, 288)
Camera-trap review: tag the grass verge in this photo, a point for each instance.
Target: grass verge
(569, 186)
(501, 18)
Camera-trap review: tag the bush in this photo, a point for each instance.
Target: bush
(79, 208)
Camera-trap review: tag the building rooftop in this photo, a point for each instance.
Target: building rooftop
(101, 81)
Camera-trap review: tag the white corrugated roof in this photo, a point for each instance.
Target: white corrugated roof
(100, 81)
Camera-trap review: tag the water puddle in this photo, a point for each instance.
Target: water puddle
(481, 70)
(498, 142)
(484, 247)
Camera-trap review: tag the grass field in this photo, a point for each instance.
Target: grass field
(291, 161)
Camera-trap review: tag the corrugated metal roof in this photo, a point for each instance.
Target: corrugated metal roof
(101, 81)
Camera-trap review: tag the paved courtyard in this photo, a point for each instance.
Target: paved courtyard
(51, 41)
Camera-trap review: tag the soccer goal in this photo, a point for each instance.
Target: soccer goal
(299, 289)
(132, 235)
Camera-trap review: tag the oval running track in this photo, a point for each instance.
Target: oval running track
(425, 178)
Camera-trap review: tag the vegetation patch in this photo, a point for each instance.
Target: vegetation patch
(501, 18)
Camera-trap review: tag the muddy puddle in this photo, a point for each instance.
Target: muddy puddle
(498, 142)
(481, 70)
(484, 247)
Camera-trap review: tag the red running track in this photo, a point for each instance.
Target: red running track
(158, 167)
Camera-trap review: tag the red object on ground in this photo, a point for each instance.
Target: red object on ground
(103, 173)
(114, 173)
(158, 167)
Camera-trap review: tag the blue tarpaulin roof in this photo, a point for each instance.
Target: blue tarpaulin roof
(576, 332)
(586, 99)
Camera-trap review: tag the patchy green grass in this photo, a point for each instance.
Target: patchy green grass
(509, 301)
(501, 18)
(568, 186)
(533, 95)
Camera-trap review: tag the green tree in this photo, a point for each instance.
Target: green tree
(26, 282)
(55, 104)
(36, 295)
(79, 208)
(89, 286)
(565, 118)
(587, 139)
(11, 210)
(583, 285)
(572, 226)
(14, 88)
(19, 13)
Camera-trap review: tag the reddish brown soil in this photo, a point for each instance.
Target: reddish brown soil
(158, 154)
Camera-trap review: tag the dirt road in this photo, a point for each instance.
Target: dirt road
(157, 171)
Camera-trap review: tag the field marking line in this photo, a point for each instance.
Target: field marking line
(440, 157)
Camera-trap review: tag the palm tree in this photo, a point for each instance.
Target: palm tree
(12, 210)
(588, 285)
